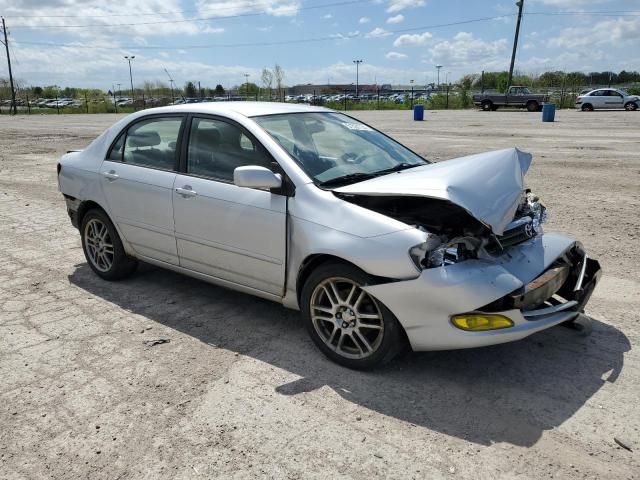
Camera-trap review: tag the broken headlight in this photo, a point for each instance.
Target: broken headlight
(436, 253)
(531, 206)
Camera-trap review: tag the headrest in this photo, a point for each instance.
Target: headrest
(143, 139)
(207, 137)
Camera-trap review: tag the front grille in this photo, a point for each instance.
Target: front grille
(517, 232)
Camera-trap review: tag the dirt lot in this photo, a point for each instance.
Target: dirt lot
(241, 392)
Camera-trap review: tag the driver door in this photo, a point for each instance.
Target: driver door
(228, 232)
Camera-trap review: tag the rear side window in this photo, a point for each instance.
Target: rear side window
(149, 143)
(115, 153)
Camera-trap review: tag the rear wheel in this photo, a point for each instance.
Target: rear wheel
(631, 106)
(532, 106)
(103, 248)
(346, 323)
(587, 107)
(486, 105)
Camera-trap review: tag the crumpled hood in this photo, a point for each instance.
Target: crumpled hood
(488, 185)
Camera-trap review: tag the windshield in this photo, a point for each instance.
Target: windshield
(336, 149)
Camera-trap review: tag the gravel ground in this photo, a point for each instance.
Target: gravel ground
(241, 392)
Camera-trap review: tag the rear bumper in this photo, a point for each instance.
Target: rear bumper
(424, 305)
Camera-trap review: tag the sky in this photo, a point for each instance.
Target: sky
(82, 43)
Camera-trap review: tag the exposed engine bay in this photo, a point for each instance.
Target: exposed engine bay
(453, 234)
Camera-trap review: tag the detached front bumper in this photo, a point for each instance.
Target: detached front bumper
(520, 285)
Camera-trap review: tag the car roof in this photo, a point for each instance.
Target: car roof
(247, 109)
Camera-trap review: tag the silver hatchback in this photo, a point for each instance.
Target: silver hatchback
(378, 248)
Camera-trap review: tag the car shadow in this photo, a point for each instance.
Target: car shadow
(506, 393)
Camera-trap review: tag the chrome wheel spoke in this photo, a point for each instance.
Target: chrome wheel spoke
(334, 291)
(346, 318)
(322, 309)
(99, 247)
(363, 339)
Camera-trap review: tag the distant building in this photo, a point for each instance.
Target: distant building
(335, 88)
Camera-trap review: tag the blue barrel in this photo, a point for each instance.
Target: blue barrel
(548, 112)
(418, 113)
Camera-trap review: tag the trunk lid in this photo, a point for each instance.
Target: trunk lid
(488, 185)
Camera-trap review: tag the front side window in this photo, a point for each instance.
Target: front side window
(217, 148)
(333, 148)
(153, 143)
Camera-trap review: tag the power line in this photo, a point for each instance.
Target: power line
(256, 44)
(145, 14)
(185, 20)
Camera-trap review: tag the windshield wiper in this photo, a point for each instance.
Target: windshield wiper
(345, 179)
(397, 168)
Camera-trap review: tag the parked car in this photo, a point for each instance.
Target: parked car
(607, 98)
(518, 97)
(305, 206)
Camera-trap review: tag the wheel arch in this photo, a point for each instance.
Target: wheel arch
(88, 205)
(313, 261)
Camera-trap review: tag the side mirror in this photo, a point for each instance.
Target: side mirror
(254, 176)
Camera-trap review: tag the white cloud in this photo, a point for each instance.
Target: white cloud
(571, 3)
(364, 20)
(399, 5)
(328, 16)
(413, 39)
(345, 36)
(105, 17)
(223, 8)
(396, 19)
(395, 56)
(464, 50)
(615, 32)
(377, 33)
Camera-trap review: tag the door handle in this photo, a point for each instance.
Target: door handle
(111, 175)
(186, 191)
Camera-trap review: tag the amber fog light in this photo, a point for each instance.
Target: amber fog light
(480, 322)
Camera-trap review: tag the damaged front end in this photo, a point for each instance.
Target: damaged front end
(453, 234)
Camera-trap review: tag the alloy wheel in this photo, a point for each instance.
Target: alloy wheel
(347, 319)
(99, 245)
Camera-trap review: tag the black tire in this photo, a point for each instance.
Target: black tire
(486, 105)
(631, 106)
(587, 107)
(494, 108)
(121, 265)
(533, 106)
(388, 342)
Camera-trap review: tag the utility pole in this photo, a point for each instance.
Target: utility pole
(13, 90)
(129, 58)
(357, 62)
(519, 4)
(438, 67)
(246, 93)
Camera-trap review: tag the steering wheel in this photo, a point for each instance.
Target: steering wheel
(353, 158)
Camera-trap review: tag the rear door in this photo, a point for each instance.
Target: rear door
(597, 99)
(137, 180)
(232, 233)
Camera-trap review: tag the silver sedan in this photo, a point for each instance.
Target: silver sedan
(607, 98)
(380, 249)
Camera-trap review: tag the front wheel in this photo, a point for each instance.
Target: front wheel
(486, 106)
(631, 106)
(103, 248)
(346, 323)
(587, 107)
